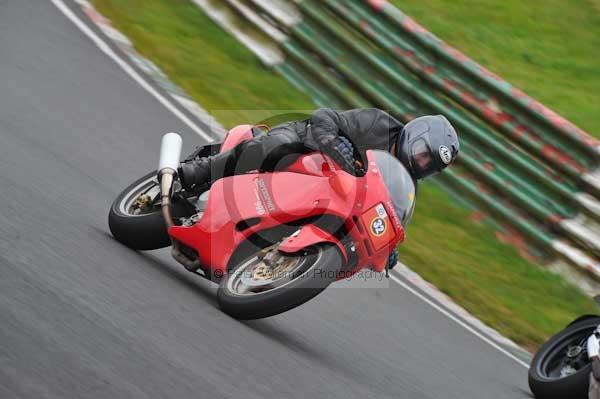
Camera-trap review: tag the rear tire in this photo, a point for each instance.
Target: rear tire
(145, 231)
(324, 263)
(574, 386)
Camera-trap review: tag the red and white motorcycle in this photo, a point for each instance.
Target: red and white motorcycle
(271, 240)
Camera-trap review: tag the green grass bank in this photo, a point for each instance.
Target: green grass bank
(547, 48)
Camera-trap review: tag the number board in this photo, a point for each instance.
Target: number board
(379, 225)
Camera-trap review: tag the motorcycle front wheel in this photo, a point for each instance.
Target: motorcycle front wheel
(272, 282)
(561, 368)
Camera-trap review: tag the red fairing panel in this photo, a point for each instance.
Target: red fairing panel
(310, 235)
(265, 196)
(236, 135)
(310, 164)
(272, 199)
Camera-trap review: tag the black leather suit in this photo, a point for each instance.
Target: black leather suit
(366, 128)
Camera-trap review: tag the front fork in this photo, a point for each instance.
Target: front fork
(593, 344)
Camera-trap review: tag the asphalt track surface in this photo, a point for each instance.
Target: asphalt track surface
(82, 316)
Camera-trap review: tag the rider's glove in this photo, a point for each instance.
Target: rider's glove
(341, 151)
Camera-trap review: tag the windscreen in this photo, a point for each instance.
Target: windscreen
(399, 184)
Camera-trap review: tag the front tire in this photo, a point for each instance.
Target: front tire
(550, 377)
(245, 293)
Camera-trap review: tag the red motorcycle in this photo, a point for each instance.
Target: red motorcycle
(271, 240)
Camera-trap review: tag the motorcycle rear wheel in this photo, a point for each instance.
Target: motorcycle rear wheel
(249, 292)
(141, 229)
(547, 376)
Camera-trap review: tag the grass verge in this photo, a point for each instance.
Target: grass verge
(206, 62)
(548, 48)
(463, 258)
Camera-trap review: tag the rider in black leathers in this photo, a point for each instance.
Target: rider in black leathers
(425, 145)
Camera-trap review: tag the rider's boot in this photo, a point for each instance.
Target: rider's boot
(202, 171)
(194, 172)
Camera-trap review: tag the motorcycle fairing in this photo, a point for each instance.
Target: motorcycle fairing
(310, 235)
(264, 197)
(272, 199)
(236, 135)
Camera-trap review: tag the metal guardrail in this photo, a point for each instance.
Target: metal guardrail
(529, 168)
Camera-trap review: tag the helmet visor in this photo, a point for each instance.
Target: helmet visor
(421, 158)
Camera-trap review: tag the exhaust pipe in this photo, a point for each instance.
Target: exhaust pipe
(170, 153)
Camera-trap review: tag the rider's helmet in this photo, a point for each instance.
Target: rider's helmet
(427, 145)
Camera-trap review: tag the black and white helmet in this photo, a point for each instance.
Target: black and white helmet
(427, 145)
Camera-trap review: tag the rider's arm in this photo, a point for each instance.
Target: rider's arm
(367, 128)
(325, 125)
(325, 131)
(374, 129)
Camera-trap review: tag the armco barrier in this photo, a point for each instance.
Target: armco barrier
(529, 168)
(487, 104)
(525, 105)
